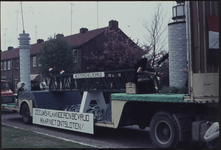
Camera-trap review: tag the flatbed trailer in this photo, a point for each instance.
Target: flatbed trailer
(170, 117)
(137, 104)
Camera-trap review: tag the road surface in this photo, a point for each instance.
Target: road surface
(126, 137)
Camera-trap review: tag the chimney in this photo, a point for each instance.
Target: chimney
(10, 48)
(40, 40)
(59, 36)
(83, 30)
(113, 24)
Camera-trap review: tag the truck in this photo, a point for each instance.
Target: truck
(80, 101)
(170, 117)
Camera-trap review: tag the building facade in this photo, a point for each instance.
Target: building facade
(82, 43)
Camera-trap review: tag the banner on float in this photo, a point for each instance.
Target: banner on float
(75, 121)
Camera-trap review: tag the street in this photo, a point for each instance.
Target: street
(126, 137)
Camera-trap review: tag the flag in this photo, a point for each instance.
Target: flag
(213, 29)
(50, 69)
(62, 71)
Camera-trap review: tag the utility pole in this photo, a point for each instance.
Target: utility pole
(5, 37)
(36, 33)
(97, 14)
(71, 17)
(17, 25)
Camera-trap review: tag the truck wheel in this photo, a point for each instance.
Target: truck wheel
(26, 114)
(164, 130)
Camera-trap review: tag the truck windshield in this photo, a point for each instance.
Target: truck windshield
(4, 86)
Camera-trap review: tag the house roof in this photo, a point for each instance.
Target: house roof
(75, 40)
(79, 39)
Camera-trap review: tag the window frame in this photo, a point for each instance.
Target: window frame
(76, 57)
(9, 65)
(39, 64)
(34, 61)
(4, 65)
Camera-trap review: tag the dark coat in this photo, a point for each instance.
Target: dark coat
(20, 89)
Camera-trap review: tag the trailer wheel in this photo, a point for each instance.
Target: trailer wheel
(25, 112)
(164, 130)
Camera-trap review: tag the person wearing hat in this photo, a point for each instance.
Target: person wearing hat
(21, 88)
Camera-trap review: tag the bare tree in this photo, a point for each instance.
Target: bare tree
(156, 27)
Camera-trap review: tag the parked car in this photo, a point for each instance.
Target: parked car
(7, 95)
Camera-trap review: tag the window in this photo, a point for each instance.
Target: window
(9, 64)
(34, 61)
(4, 85)
(39, 64)
(17, 64)
(179, 11)
(75, 52)
(4, 65)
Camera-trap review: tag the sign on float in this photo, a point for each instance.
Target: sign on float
(81, 122)
(89, 75)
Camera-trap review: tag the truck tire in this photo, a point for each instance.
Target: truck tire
(164, 130)
(25, 112)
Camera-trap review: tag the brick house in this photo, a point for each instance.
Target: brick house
(82, 43)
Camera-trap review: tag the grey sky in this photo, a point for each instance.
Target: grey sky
(44, 19)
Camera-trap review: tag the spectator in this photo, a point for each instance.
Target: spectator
(21, 88)
(43, 86)
(142, 77)
(36, 87)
